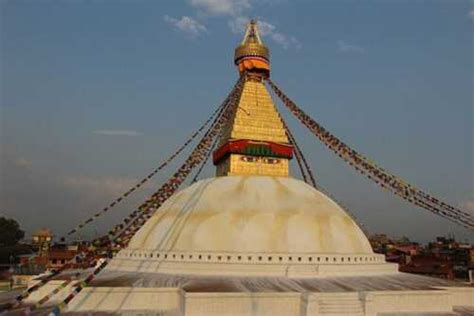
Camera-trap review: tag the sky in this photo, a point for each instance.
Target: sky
(95, 94)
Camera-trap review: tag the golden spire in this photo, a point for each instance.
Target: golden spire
(254, 141)
(252, 54)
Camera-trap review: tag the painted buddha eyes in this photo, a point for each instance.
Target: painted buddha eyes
(249, 159)
(269, 161)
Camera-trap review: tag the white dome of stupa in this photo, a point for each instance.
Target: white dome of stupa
(251, 214)
(250, 225)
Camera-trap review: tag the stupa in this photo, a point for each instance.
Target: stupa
(254, 241)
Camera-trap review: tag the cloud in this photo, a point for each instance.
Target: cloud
(280, 39)
(221, 7)
(237, 25)
(285, 41)
(266, 28)
(187, 25)
(117, 132)
(345, 47)
(471, 15)
(296, 43)
(104, 186)
(235, 9)
(38, 197)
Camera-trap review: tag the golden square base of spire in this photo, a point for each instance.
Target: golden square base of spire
(254, 142)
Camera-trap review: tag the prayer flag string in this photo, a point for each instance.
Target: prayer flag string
(375, 173)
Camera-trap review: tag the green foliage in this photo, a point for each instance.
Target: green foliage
(10, 232)
(9, 254)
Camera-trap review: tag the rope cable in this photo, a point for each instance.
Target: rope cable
(299, 155)
(147, 178)
(208, 154)
(157, 198)
(168, 189)
(147, 208)
(375, 173)
(304, 166)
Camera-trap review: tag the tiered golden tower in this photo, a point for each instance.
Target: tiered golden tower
(254, 141)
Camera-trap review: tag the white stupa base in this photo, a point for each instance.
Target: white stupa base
(176, 302)
(296, 265)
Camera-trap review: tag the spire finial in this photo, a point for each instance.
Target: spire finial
(252, 55)
(252, 35)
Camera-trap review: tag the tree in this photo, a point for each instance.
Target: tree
(10, 232)
(404, 240)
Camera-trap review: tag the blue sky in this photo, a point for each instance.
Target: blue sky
(94, 94)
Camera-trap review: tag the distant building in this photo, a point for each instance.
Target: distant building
(42, 236)
(401, 254)
(444, 258)
(53, 256)
(42, 240)
(430, 266)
